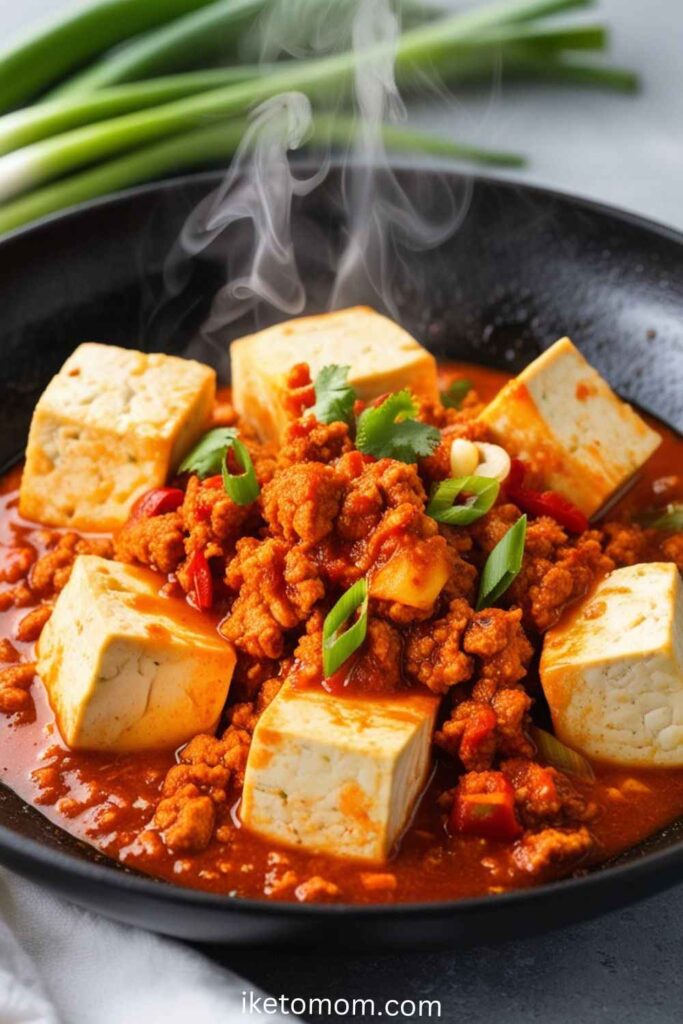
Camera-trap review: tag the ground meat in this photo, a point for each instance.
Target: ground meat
(300, 394)
(50, 573)
(470, 735)
(211, 519)
(672, 549)
(625, 544)
(490, 723)
(8, 652)
(197, 785)
(301, 502)
(377, 487)
(308, 655)
(310, 441)
(545, 796)
(15, 563)
(555, 571)
(31, 626)
(15, 682)
(511, 708)
(536, 852)
(277, 588)
(497, 639)
(186, 820)
(156, 541)
(434, 652)
(315, 890)
(377, 668)
(463, 579)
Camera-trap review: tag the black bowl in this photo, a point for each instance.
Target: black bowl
(526, 267)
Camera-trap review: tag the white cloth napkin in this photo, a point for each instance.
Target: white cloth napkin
(63, 965)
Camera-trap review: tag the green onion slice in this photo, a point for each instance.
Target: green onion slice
(670, 518)
(456, 393)
(338, 646)
(206, 458)
(481, 493)
(390, 430)
(554, 752)
(242, 487)
(502, 565)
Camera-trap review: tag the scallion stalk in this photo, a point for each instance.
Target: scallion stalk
(28, 168)
(32, 64)
(471, 60)
(201, 35)
(43, 120)
(202, 148)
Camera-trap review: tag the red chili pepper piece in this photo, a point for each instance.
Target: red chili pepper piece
(202, 580)
(157, 502)
(543, 503)
(479, 728)
(487, 815)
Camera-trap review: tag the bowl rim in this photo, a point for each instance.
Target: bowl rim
(31, 853)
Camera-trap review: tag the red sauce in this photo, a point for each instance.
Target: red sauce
(108, 800)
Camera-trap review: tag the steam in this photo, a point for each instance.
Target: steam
(251, 212)
(259, 190)
(382, 217)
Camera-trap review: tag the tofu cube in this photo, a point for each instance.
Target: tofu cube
(612, 671)
(126, 669)
(338, 775)
(382, 356)
(560, 416)
(111, 424)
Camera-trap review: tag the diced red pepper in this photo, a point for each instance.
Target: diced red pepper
(157, 502)
(202, 580)
(487, 815)
(479, 727)
(543, 503)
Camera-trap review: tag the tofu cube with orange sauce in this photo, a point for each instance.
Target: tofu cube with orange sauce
(338, 775)
(382, 358)
(562, 418)
(111, 424)
(612, 669)
(127, 669)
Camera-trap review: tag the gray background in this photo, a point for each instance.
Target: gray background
(626, 967)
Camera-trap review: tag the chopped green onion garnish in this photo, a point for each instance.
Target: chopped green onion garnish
(390, 431)
(334, 396)
(456, 392)
(670, 518)
(339, 646)
(554, 752)
(482, 492)
(502, 565)
(242, 487)
(206, 458)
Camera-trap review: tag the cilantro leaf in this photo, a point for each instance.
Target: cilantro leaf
(206, 458)
(334, 396)
(390, 431)
(456, 393)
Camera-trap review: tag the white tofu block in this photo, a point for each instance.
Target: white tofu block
(612, 671)
(126, 669)
(560, 416)
(338, 775)
(111, 424)
(382, 356)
